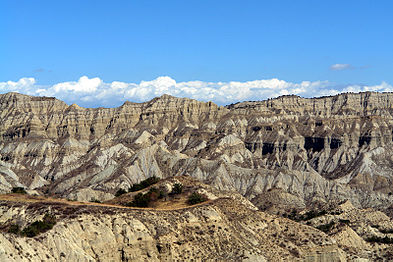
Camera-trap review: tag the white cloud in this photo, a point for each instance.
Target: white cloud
(22, 84)
(93, 92)
(338, 67)
(383, 87)
(84, 85)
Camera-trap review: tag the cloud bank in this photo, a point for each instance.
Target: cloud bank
(93, 92)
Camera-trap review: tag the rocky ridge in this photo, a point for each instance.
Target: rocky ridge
(221, 230)
(227, 227)
(313, 149)
(288, 156)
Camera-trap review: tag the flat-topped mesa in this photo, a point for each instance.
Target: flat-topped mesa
(23, 115)
(166, 112)
(15, 97)
(357, 104)
(54, 119)
(24, 103)
(174, 108)
(167, 103)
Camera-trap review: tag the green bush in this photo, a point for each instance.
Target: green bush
(95, 200)
(327, 227)
(140, 200)
(162, 194)
(293, 215)
(196, 198)
(312, 214)
(39, 226)
(14, 229)
(143, 184)
(345, 221)
(120, 192)
(385, 240)
(155, 194)
(145, 200)
(177, 189)
(18, 190)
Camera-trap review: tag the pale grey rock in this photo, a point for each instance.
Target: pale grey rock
(316, 150)
(222, 230)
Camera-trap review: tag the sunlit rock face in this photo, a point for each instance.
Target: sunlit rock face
(222, 230)
(305, 150)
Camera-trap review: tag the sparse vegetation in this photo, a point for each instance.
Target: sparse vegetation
(145, 200)
(39, 226)
(143, 184)
(120, 192)
(177, 189)
(18, 190)
(376, 239)
(312, 214)
(345, 221)
(196, 198)
(156, 193)
(294, 215)
(327, 227)
(140, 200)
(383, 230)
(14, 229)
(95, 200)
(35, 228)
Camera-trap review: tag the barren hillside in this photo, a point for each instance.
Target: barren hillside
(287, 156)
(318, 149)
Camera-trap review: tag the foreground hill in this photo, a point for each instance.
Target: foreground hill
(227, 228)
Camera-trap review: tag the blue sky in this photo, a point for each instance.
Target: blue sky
(341, 44)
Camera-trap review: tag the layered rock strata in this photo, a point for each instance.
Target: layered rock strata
(306, 150)
(222, 230)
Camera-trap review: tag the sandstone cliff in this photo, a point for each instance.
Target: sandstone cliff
(289, 156)
(313, 150)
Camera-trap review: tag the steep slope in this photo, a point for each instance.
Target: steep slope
(222, 230)
(312, 150)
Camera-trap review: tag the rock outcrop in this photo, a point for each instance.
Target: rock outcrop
(313, 150)
(222, 230)
(325, 163)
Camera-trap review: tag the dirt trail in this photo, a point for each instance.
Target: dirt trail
(21, 198)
